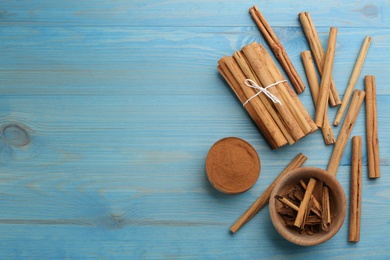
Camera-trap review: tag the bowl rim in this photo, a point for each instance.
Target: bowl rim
(320, 174)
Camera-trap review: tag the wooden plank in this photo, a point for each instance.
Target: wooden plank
(149, 227)
(57, 60)
(191, 13)
(86, 125)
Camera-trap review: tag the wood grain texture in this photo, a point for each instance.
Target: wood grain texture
(363, 13)
(108, 109)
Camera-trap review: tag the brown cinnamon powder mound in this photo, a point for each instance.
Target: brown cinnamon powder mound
(232, 165)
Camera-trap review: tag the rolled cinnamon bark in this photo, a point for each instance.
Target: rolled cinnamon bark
(323, 96)
(345, 131)
(326, 129)
(277, 48)
(372, 128)
(353, 79)
(318, 53)
(356, 190)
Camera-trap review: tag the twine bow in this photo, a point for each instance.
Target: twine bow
(250, 83)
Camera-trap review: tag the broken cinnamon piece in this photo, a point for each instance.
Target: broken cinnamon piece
(287, 202)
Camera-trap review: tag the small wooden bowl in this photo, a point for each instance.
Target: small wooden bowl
(232, 165)
(337, 206)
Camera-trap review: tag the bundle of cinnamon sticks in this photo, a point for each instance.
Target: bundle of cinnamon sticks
(283, 122)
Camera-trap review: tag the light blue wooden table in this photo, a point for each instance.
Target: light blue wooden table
(108, 109)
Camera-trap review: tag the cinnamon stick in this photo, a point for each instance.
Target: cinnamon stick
(286, 202)
(345, 131)
(317, 196)
(326, 218)
(303, 207)
(327, 132)
(353, 79)
(318, 53)
(356, 190)
(263, 199)
(277, 48)
(323, 95)
(266, 79)
(303, 184)
(372, 128)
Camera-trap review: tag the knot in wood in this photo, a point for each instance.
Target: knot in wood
(15, 135)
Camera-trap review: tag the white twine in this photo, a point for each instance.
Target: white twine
(250, 83)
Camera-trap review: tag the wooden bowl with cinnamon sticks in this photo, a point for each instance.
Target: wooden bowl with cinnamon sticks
(307, 206)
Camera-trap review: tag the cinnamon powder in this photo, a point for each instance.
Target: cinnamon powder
(232, 165)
